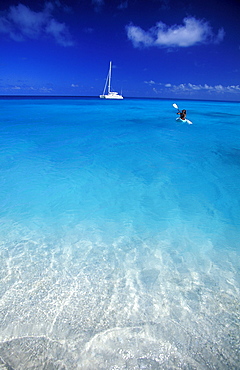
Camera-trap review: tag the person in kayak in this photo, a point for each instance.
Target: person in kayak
(183, 114)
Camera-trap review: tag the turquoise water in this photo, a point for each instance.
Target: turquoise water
(119, 234)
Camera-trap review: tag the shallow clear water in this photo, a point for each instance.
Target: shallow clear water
(119, 234)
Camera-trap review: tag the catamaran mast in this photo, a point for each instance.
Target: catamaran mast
(109, 78)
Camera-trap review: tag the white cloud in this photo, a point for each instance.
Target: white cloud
(139, 37)
(20, 23)
(150, 82)
(189, 87)
(192, 32)
(24, 89)
(45, 89)
(216, 88)
(27, 21)
(60, 32)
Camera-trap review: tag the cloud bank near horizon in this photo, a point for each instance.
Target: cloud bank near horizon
(21, 23)
(189, 87)
(192, 32)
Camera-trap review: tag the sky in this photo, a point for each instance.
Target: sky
(185, 49)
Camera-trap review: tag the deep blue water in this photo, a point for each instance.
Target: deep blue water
(119, 234)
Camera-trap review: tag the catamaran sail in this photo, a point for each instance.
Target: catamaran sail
(110, 94)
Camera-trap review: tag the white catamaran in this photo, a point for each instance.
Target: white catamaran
(110, 94)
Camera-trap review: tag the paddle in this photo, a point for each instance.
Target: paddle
(175, 106)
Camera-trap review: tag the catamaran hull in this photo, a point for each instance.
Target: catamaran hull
(111, 97)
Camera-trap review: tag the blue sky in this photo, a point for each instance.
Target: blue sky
(159, 48)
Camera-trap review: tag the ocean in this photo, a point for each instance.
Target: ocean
(119, 234)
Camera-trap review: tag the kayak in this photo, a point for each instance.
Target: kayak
(184, 120)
